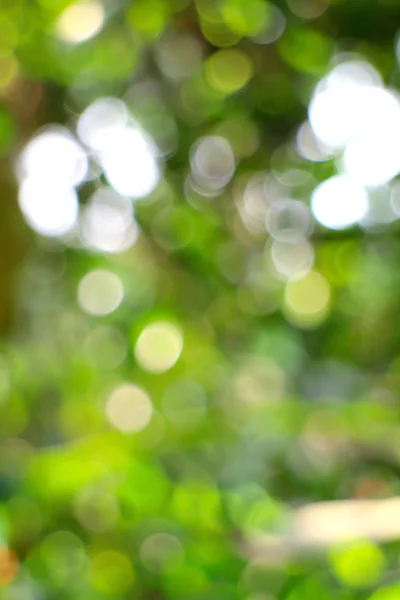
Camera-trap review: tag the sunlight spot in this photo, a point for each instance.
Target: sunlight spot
(129, 162)
(50, 209)
(100, 121)
(80, 21)
(307, 299)
(228, 70)
(100, 292)
(53, 156)
(159, 347)
(129, 408)
(338, 106)
(339, 202)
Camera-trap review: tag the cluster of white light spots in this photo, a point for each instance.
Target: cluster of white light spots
(49, 168)
(129, 408)
(100, 292)
(212, 164)
(124, 151)
(107, 222)
(80, 22)
(53, 164)
(353, 116)
(159, 346)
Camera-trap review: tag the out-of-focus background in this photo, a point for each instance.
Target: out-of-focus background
(199, 299)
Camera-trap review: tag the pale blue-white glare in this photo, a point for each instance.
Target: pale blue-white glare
(337, 109)
(212, 162)
(53, 156)
(129, 162)
(339, 202)
(292, 260)
(49, 208)
(288, 220)
(372, 155)
(100, 121)
(107, 222)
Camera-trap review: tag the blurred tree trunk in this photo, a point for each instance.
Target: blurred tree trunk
(14, 239)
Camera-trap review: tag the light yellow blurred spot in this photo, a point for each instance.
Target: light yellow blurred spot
(159, 347)
(111, 572)
(307, 299)
(100, 292)
(227, 71)
(80, 21)
(218, 33)
(129, 408)
(245, 17)
(359, 564)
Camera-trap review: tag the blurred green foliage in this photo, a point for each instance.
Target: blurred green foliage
(137, 462)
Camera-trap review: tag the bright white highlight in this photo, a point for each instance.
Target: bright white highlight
(124, 151)
(53, 156)
(129, 164)
(339, 202)
(373, 153)
(101, 120)
(351, 112)
(337, 108)
(49, 168)
(51, 210)
(80, 21)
